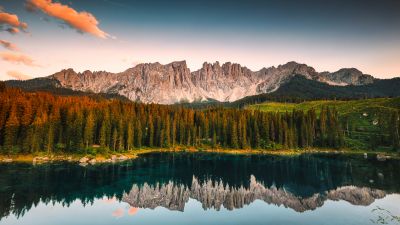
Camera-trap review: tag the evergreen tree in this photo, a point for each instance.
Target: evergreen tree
(234, 136)
(322, 126)
(150, 136)
(89, 130)
(139, 134)
(214, 139)
(130, 142)
(256, 133)
(173, 133)
(115, 139)
(394, 130)
(11, 130)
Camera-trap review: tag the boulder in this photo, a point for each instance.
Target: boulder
(84, 160)
(122, 158)
(7, 160)
(381, 158)
(40, 159)
(83, 164)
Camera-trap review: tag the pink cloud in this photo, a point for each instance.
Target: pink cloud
(12, 21)
(17, 58)
(132, 211)
(118, 213)
(82, 21)
(18, 75)
(8, 45)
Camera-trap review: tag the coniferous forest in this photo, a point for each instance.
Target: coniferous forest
(32, 122)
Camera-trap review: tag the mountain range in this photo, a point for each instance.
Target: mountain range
(229, 82)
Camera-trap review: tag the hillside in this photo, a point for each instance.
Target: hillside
(364, 121)
(299, 89)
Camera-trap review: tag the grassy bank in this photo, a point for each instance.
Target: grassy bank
(364, 121)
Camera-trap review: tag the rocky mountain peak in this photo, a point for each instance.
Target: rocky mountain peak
(174, 82)
(179, 64)
(299, 68)
(347, 76)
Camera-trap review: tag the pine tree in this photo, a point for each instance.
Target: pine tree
(173, 131)
(121, 135)
(167, 133)
(103, 134)
(115, 139)
(322, 126)
(130, 142)
(243, 133)
(257, 141)
(234, 136)
(182, 133)
(214, 139)
(225, 131)
(139, 134)
(89, 130)
(11, 130)
(36, 134)
(50, 137)
(394, 130)
(150, 135)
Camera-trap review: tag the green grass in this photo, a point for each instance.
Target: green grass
(343, 107)
(362, 119)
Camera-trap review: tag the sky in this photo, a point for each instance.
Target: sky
(41, 37)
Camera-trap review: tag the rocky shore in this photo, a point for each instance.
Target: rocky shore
(118, 157)
(82, 160)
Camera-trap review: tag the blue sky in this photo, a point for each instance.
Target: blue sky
(327, 35)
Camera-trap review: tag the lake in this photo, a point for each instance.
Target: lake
(204, 188)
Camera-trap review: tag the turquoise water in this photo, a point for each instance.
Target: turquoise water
(184, 188)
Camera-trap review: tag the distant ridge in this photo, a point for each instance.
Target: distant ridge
(229, 82)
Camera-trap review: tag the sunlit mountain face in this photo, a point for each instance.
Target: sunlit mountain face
(218, 182)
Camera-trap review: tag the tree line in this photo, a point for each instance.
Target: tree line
(39, 121)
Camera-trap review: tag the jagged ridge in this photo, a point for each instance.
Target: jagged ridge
(173, 82)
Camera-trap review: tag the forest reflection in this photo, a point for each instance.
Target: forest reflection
(168, 180)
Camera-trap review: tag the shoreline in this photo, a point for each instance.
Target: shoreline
(133, 154)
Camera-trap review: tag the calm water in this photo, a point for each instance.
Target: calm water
(203, 189)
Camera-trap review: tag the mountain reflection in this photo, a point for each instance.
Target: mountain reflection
(168, 180)
(214, 194)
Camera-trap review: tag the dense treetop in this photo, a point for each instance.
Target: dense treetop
(31, 122)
